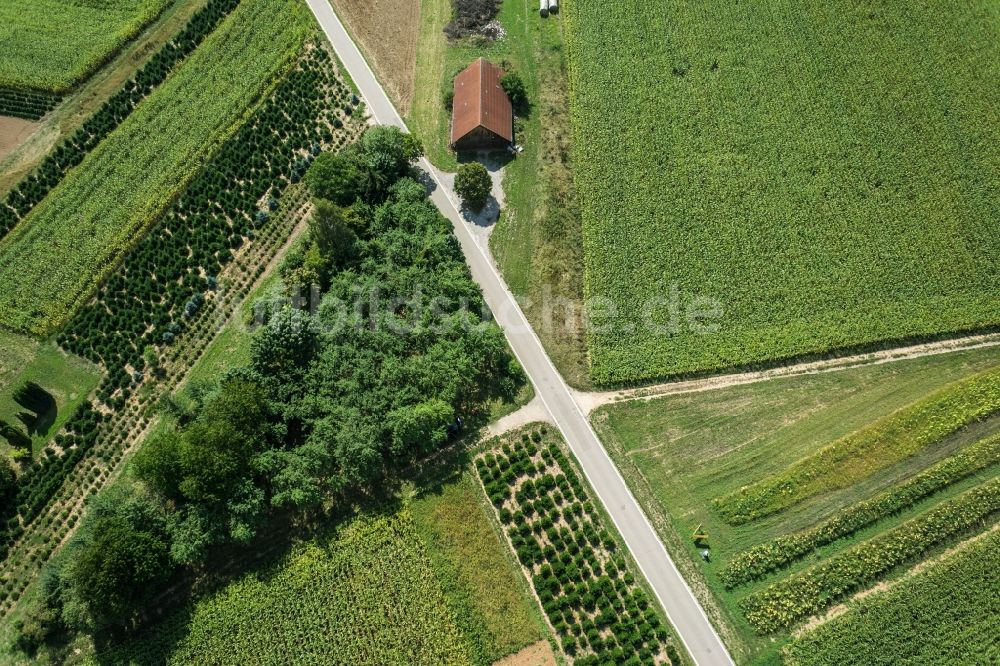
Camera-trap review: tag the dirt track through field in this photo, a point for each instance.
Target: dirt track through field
(13, 132)
(591, 401)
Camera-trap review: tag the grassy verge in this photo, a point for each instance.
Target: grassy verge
(680, 452)
(231, 347)
(68, 379)
(482, 584)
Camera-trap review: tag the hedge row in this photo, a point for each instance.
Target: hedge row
(757, 562)
(73, 149)
(864, 452)
(164, 280)
(817, 588)
(27, 104)
(591, 599)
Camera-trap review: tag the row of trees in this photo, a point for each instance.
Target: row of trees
(333, 403)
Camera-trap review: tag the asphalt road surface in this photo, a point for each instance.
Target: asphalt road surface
(672, 591)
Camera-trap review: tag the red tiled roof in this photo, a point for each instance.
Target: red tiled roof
(481, 101)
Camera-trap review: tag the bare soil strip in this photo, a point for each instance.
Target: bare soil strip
(536, 654)
(14, 131)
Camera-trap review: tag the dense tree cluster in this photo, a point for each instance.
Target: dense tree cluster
(73, 149)
(333, 403)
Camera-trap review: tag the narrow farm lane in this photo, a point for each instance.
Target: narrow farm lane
(670, 588)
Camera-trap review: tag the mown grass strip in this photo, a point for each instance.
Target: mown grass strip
(51, 262)
(482, 586)
(945, 615)
(789, 601)
(860, 454)
(757, 562)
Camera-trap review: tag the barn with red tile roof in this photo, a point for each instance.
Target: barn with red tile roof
(482, 117)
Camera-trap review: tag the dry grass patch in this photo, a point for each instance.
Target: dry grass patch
(538, 654)
(387, 31)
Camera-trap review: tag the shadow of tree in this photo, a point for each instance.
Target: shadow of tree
(40, 408)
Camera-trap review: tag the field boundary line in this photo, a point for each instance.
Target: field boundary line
(592, 400)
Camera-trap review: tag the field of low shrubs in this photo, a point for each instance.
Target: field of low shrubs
(599, 611)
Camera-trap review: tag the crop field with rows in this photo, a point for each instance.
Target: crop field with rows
(171, 271)
(53, 44)
(806, 493)
(425, 584)
(51, 262)
(190, 276)
(366, 595)
(859, 455)
(945, 615)
(824, 174)
(71, 151)
(590, 596)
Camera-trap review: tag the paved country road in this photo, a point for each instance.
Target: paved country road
(673, 593)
